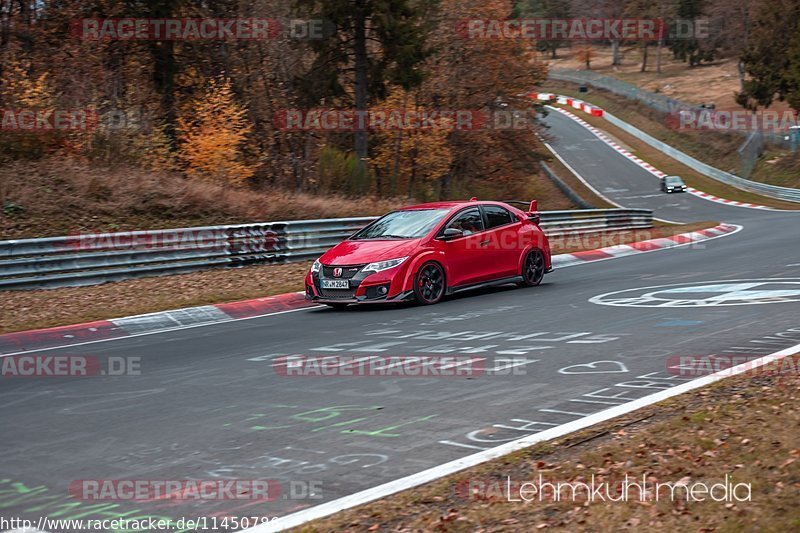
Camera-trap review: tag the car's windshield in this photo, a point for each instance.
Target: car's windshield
(674, 180)
(410, 224)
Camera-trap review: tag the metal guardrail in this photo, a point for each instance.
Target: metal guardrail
(97, 258)
(772, 191)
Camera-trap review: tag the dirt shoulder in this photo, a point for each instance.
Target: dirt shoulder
(745, 428)
(25, 310)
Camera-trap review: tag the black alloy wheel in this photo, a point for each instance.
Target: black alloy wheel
(429, 284)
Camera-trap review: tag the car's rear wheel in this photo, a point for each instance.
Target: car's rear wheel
(429, 284)
(337, 306)
(533, 269)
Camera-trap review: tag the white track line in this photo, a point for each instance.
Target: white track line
(438, 472)
(176, 328)
(598, 193)
(581, 178)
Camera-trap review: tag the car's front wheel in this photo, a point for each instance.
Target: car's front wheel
(429, 284)
(533, 269)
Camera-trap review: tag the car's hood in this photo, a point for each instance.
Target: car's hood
(368, 251)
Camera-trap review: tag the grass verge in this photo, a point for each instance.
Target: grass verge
(744, 427)
(25, 310)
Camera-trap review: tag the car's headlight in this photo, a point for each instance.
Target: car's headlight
(316, 266)
(383, 265)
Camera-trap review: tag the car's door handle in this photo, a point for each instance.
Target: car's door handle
(484, 243)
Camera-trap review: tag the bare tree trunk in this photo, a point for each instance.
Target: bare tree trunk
(660, 40)
(398, 144)
(360, 45)
(740, 65)
(413, 176)
(644, 57)
(615, 57)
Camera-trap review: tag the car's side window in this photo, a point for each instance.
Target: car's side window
(468, 221)
(497, 216)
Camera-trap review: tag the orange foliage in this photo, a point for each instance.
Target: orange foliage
(211, 141)
(585, 54)
(414, 159)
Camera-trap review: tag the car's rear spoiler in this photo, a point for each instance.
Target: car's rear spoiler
(533, 209)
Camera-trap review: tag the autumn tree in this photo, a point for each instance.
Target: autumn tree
(413, 158)
(693, 49)
(585, 54)
(771, 58)
(491, 76)
(544, 9)
(374, 43)
(792, 73)
(213, 139)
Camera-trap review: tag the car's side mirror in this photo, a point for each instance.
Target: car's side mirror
(451, 233)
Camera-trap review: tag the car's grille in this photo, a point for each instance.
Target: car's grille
(338, 294)
(347, 271)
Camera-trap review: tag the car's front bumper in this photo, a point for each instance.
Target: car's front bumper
(402, 297)
(364, 287)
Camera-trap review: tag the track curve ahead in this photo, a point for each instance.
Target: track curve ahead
(209, 405)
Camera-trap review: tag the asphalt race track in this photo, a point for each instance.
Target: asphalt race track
(209, 403)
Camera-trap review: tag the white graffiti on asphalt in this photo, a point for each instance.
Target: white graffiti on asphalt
(706, 294)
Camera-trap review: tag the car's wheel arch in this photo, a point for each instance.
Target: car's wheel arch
(419, 260)
(529, 249)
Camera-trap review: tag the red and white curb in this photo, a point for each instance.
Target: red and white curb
(132, 326)
(572, 102)
(191, 317)
(639, 247)
(598, 112)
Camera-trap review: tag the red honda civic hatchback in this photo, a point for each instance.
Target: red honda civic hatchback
(424, 252)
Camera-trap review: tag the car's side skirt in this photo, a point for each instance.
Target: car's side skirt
(483, 284)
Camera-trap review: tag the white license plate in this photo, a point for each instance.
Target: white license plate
(335, 284)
